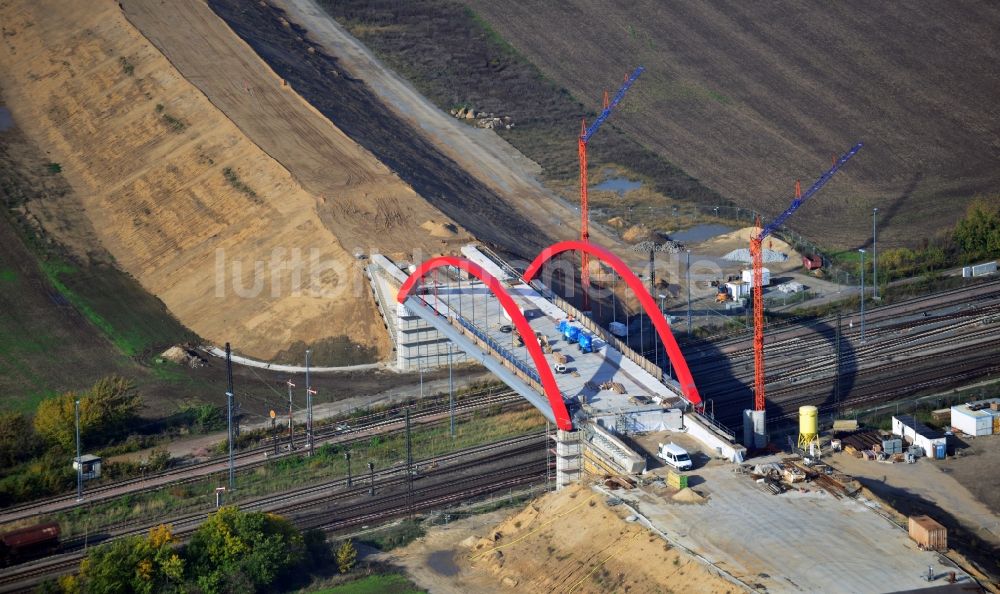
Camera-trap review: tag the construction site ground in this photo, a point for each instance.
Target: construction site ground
(567, 541)
(794, 542)
(961, 492)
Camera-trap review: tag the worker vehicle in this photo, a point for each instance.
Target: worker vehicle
(586, 343)
(674, 455)
(27, 543)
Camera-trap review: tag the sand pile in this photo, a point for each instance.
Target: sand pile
(688, 495)
(637, 233)
(571, 540)
(438, 229)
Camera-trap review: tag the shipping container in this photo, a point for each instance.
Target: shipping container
(928, 534)
(812, 262)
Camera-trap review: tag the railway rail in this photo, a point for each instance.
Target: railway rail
(934, 341)
(361, 428)
(333, 506)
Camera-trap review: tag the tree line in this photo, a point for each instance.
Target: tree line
(232, 551)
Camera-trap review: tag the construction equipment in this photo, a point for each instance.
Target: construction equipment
(585, 135)
(756, 254)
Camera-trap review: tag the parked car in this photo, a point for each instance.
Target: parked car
(674, 455)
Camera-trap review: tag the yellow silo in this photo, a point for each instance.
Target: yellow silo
(808, 425)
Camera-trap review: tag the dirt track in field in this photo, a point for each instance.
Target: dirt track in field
(748, 97)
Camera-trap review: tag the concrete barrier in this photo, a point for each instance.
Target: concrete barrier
(712, 439)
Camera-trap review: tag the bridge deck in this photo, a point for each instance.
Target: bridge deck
(468, 305)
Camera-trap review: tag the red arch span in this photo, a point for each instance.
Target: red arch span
(645, 299)
(552, 392)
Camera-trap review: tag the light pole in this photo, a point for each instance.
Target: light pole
(656, 344)
(874, 258)
(347, 456)
(689, 289)
(663, 313)
(862, 294)
(451, 393)
(79, 460)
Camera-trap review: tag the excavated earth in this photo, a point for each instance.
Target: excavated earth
(231, 199)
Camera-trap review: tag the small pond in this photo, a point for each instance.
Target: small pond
(6, 121)
(618, 184)
(700, 233)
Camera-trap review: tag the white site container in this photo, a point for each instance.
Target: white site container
(765, 276)
(737, 290)
(984, 269)
(971, 422)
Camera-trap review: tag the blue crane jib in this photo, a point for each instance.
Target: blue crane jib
(611, 106)
(819, 183)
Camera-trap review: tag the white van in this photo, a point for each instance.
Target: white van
(674, 455)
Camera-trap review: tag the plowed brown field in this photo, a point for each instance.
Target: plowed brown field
(749, 96)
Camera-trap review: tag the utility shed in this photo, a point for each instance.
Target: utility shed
(91, 466)
(933, 442)
(977, 418)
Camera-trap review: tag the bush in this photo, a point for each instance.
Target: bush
(347, 556)
(105, 411)
(236, 551)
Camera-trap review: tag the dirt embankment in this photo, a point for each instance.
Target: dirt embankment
(180, 196)
(567, 541)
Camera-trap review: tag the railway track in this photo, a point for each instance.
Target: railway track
(447, 479)
(910, 347)
(798, 327)
(361, 428)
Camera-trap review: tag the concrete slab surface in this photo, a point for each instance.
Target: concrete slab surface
(796, 542)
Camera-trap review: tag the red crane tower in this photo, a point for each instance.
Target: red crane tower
(757, 257)
(585, 134)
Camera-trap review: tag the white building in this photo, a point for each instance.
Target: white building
(977, 418)
(765, 276)
(909, 428)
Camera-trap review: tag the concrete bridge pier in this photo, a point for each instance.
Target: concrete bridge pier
(569, 457)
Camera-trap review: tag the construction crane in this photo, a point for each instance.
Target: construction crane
(585, 135)
(757, 257)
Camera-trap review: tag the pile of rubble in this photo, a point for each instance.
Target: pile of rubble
(481, 119)
(667, 247)
(743, 255)
(786, 475)
(183, 355)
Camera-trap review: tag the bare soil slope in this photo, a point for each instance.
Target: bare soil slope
(571, 541)
(747, 97)
(360, 200)
(179, 195)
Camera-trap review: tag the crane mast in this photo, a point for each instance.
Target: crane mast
(585, 134)
(757, 258)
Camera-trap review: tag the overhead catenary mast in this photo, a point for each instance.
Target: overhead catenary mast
(309, 406)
